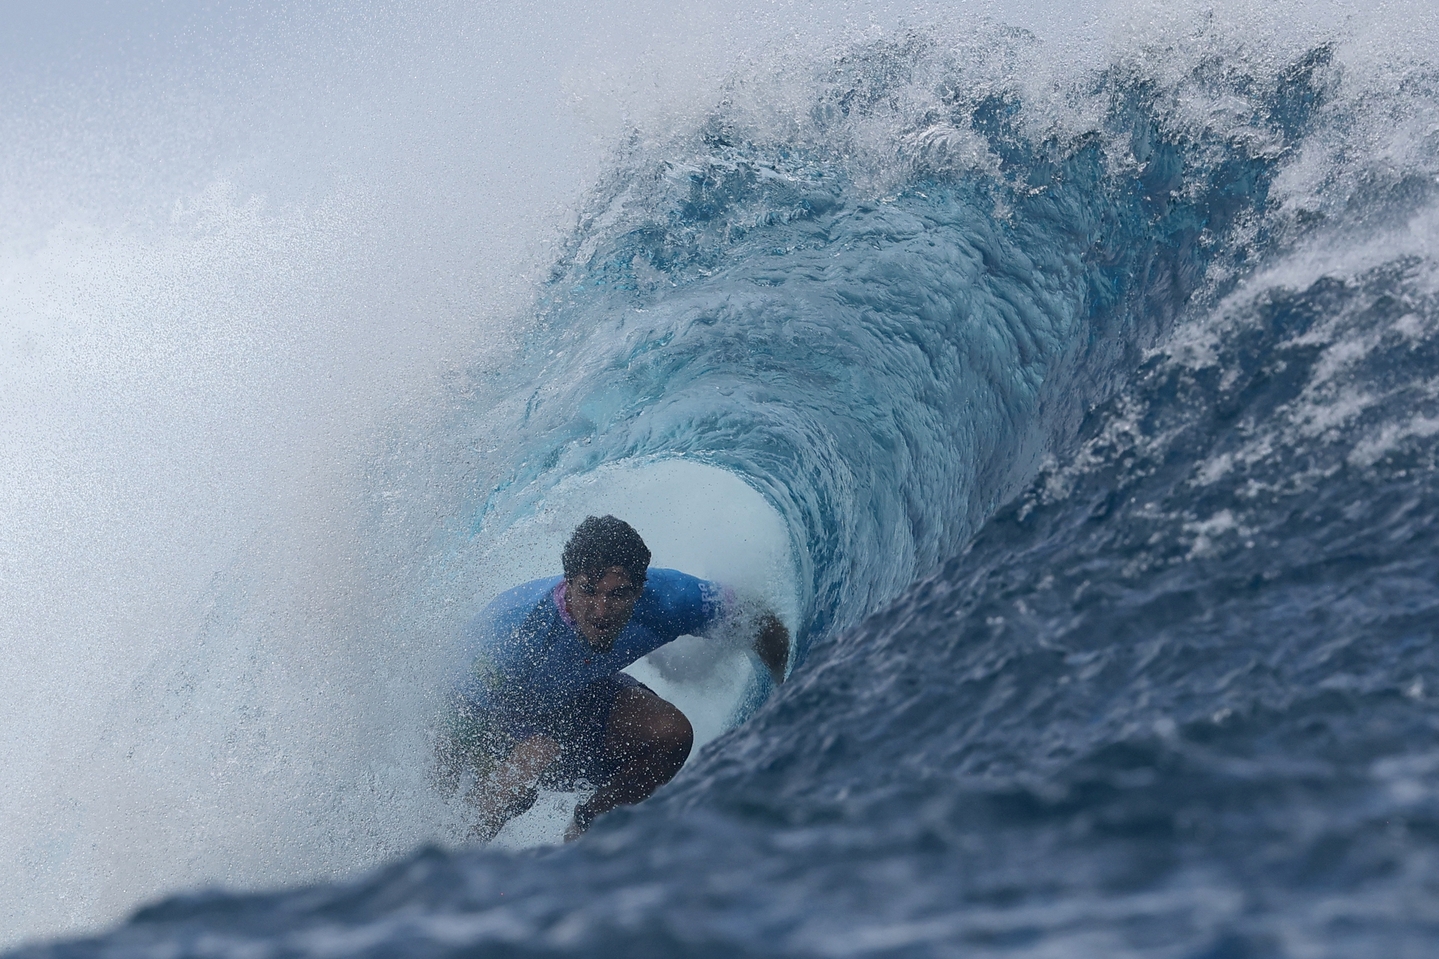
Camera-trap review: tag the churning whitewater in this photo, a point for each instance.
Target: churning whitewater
(1080, 418)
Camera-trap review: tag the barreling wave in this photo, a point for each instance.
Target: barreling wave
(884, 311)
(1099, 409)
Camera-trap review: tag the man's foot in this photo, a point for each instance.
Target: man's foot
(650, 740)
(580, 823)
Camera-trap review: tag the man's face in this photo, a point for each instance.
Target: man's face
(602, 604)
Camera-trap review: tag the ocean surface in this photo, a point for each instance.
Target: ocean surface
(1079, 413)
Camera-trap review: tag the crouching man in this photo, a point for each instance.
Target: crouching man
(545, 700)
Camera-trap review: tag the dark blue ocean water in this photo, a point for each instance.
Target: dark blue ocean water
(1102, 417)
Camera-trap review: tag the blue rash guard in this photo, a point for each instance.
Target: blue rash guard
(531, 663)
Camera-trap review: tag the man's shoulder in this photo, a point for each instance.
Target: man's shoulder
(512, 607)
(663, 580)
(678, 602)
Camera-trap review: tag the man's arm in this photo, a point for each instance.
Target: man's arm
(681, 604)
(771, 644)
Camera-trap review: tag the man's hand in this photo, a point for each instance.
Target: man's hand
(772, 645)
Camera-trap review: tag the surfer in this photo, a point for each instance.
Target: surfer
(545, 701)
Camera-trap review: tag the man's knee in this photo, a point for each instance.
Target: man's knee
(673, 734)
(653, 723)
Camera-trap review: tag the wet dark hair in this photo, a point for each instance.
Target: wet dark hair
(604, 541)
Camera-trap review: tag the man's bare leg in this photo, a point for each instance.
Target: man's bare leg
(509, 789)
(651, 739)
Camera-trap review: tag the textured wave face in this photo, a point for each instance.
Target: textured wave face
(1099, 409)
